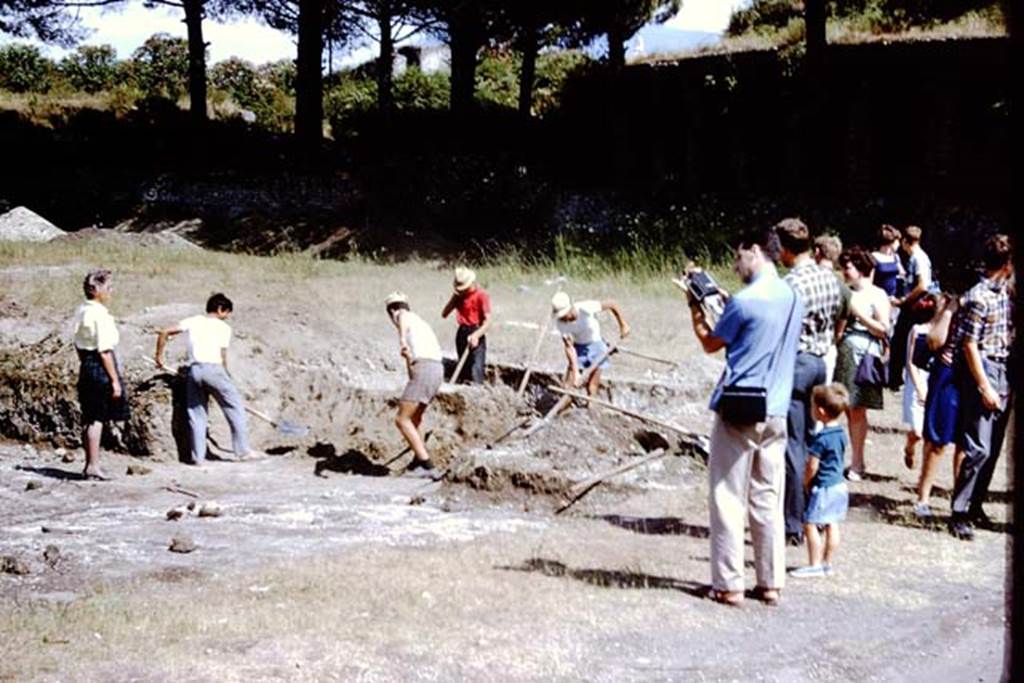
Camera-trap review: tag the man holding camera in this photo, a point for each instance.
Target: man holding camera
(822, 298)
(759, 330)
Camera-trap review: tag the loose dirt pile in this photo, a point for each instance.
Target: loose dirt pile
(23, 225)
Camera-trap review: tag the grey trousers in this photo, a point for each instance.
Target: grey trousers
(808, 373)
(746, 470)
(210, 379)
(981, 435)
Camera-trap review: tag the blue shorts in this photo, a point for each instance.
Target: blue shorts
(827, 504)
(586, 354)
(941, 406)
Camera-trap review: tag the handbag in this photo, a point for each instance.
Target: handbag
(749, 405)
(873, 370)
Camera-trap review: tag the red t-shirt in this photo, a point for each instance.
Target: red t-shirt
(472, 308)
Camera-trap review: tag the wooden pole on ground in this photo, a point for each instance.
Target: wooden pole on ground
(646, 357)
(585, 487)
(567, 399)
(458, 366)
(625, 411)
(533, 356)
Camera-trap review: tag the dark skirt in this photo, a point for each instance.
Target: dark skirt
(94, 391)
(942, 405)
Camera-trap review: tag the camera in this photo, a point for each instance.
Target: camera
(701, 285)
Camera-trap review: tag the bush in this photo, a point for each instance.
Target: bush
(553, 70)
(280, 74)
(417, 90)
(23, 68)
(348, 97)
(90, 68)
(497, 79)
(160, 66)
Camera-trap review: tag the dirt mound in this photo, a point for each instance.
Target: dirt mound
(127, 239)
(24, 225)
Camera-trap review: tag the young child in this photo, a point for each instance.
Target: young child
(828, 497)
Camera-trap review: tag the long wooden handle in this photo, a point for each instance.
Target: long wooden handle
(639, 416)
(566, 400)
(263, 416)
(533, 356)
(646, 357)
(460, 364)
(585, 487)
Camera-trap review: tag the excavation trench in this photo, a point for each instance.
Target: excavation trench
(350, 422)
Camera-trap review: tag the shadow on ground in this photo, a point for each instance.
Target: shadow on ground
(351, 461)
(610, 578)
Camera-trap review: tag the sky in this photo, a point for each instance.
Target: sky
(128, 28)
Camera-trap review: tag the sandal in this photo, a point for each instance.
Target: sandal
(769, 596)
(727, 598)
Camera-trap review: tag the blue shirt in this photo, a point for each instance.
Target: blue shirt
(829, 447)
(752, 327)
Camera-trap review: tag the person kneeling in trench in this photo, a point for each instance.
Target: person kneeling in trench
(422, 354)
(581, 336)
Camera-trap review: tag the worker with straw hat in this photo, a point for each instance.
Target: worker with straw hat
(472, 306)
(581, 336)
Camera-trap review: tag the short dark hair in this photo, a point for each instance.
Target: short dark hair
(397, 306)
(765, 238)
(219, 302)
(833, 398)
(861, 260)
(887, 234)
(793, 235)
(997, 252)
(94, 281)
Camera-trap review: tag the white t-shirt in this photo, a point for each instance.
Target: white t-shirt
(421, 340)
(924, 266)
(586, 328)
(206, 337)
(94, 328)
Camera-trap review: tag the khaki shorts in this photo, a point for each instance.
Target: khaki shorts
(426, 379)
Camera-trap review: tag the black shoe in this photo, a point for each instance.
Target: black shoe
(980, 519)
(795, 540)
(421, 468)
(960, 528)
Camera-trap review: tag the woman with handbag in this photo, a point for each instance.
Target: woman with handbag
(863, 346)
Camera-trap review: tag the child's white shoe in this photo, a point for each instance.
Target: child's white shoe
(816, 571)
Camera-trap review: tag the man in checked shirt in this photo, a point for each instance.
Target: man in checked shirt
(986, 330)
(821, 294)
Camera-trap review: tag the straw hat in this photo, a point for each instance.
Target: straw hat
(561, 304)
(464, 279)
(395, 298)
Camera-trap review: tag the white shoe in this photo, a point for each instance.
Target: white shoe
(923, 510)
(816, 571)
(854, 475)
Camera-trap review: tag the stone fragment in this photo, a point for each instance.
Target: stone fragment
(138, 470)
(210, 509)
(33, 484)
(51, 556)
(182, 544)
(175, 514)
(12, 565)
(68, 456)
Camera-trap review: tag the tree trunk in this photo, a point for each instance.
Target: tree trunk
(528, 73)
(386, 60)
(616, 47)
(196, 60)
(309, 95)
(464, 28)
(814, 27)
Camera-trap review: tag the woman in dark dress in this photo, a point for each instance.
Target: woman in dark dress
(100, 387)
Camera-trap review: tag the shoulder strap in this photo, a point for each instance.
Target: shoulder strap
(785, 333)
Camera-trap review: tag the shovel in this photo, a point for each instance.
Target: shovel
(285, 427)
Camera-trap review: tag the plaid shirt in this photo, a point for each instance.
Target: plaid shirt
(822, 296)
(987, 319)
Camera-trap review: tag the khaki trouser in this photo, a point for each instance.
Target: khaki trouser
(746, 471)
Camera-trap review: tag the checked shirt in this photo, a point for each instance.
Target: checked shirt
(986, 318)
(820, 292)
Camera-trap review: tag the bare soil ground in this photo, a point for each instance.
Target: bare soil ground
(321, 565)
